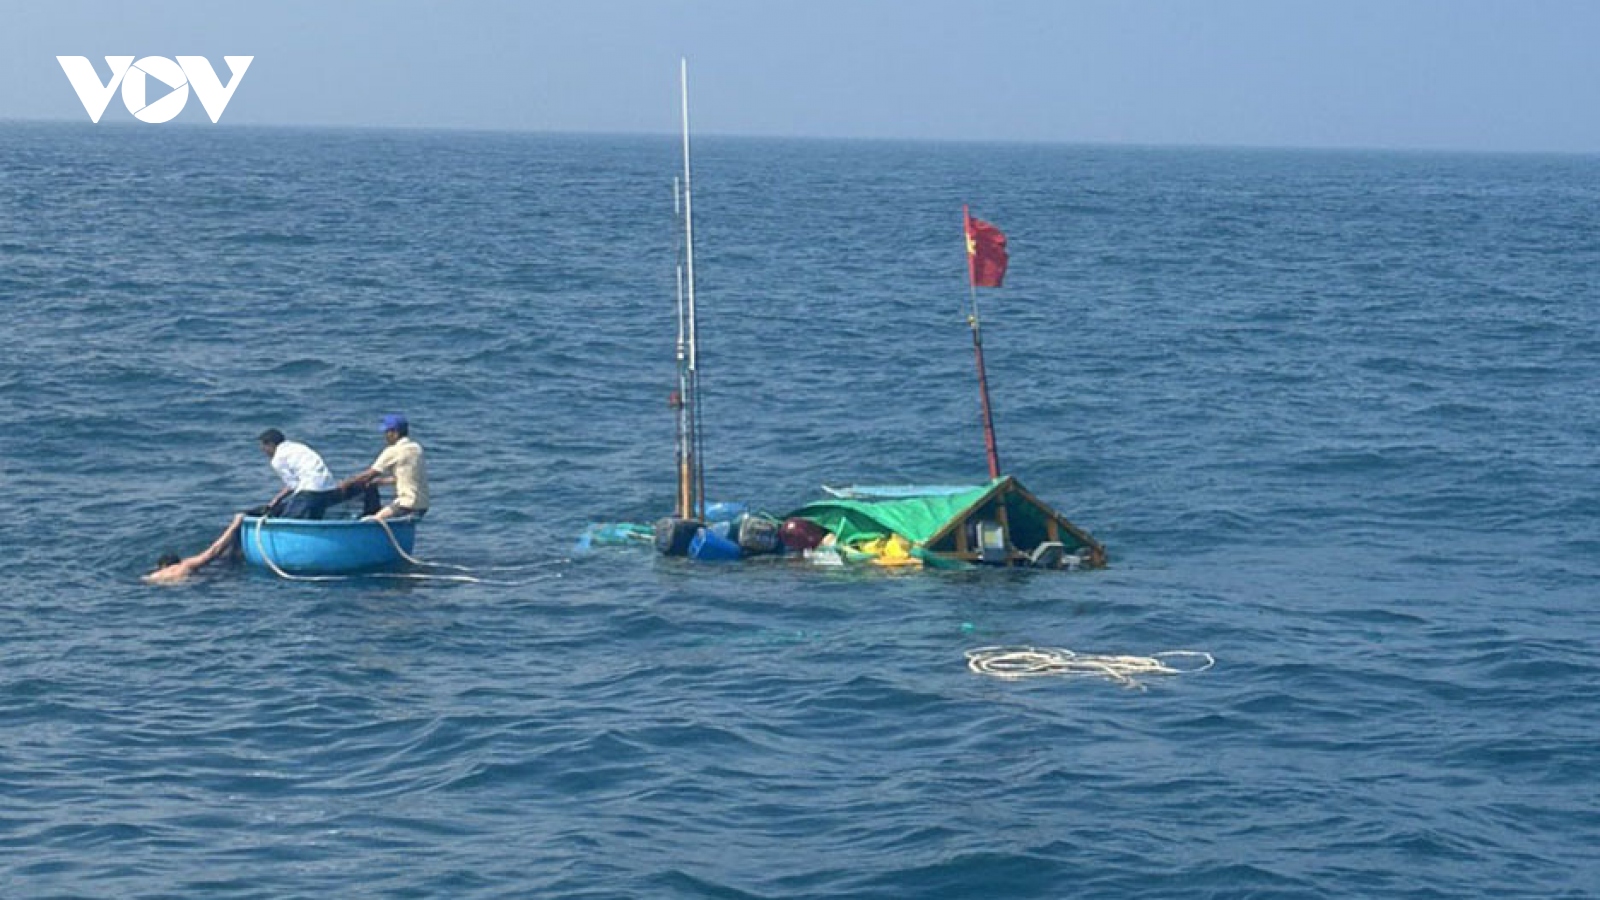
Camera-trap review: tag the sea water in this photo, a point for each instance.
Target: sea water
(1333, 413)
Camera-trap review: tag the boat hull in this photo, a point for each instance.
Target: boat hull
(328, 546)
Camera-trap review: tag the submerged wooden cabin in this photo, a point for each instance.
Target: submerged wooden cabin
(999, 523)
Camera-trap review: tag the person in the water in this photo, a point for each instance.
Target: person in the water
(172, 568)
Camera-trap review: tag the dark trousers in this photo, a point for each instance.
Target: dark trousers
(370, 504)
(306, 504)
(314, 504)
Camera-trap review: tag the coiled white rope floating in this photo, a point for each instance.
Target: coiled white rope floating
(1035, 662)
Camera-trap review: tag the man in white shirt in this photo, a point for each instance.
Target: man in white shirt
(308, 486)
(400, 464)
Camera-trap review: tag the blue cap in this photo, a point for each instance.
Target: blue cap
(394, 422)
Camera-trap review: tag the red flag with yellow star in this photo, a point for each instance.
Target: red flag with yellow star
(986, 252)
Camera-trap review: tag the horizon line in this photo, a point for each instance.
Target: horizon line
(878, 139)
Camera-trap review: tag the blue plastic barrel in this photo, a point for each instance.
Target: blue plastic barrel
(708, 546)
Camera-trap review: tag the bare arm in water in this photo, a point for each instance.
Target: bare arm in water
(183, 568)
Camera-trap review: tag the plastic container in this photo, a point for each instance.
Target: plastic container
(801, 534)
(673, 535)
(759, 535)
(708, 546)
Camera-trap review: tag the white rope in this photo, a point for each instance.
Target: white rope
(267, 558)
(470, 579)
(1034, 662)
(515, 567)
(395, 543)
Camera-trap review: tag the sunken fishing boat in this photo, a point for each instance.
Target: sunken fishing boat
(996, 522)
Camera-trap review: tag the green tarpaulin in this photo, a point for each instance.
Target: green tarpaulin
(914, 518)
(938, 521)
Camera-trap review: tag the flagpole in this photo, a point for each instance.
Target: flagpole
(679, 404)
(983, 391)
(692, 475)
(989, 444)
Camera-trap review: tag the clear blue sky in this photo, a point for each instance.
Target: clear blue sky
(1459, 74)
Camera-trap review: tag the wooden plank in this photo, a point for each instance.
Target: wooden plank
(1004, 518)
(1097, 552)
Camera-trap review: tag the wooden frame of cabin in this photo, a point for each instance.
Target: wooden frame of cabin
(1054, 524)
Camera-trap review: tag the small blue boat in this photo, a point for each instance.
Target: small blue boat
(327, 546)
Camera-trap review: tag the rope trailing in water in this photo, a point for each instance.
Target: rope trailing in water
(1035, 662)
(471, 579)
(395, 543)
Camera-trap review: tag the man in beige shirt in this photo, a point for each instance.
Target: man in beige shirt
(401, 465)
